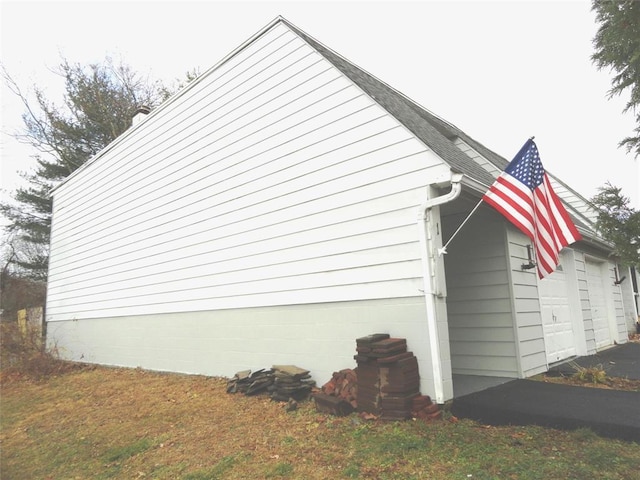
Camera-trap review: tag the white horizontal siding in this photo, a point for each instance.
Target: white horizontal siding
(174, 176)
(273, 180)
(588, 213)
(218, 210)
(240, 273)
(236, 285)
(187, 182)
(479, 308)
(191, 108)
(233, 253)
(526, 301)
(397, 288)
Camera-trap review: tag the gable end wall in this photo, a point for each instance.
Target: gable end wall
(273, 181)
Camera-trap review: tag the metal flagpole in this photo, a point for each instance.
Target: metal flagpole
(443, 250)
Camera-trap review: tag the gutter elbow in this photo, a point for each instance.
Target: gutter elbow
(456, 188)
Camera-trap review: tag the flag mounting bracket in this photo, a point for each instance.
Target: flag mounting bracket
(618, 279)
(531, 264)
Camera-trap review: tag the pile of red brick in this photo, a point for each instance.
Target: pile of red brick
(423, 408)
(339, 395)
(344, 385)
(385, 384)
(389, 380)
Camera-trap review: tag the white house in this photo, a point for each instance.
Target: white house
(286, 203)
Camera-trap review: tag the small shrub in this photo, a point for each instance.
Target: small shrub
(595, 375)
(24, 354)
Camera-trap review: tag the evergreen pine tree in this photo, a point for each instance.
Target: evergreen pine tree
(617, 47)
(618, 223)
(99, 103)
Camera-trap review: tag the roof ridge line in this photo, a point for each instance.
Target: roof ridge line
(390, 87)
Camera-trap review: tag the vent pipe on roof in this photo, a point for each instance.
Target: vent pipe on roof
(140, 114)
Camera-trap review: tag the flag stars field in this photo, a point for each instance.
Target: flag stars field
(523, 194)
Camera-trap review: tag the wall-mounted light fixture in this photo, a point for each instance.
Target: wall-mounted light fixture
(531, 264)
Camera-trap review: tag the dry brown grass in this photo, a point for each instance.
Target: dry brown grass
(610, 383)
(62, 420)
(190, 422)
(99, 423)
(595, 377)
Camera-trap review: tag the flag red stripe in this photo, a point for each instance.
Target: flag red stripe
(508, 199)
(499, 205)
(548, 245)
(539, 214)
(566, 229)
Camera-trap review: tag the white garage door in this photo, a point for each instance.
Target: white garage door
(598, 304)
(559, 338)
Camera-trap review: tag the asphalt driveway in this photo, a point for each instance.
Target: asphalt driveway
(610, 413)
(622, 361)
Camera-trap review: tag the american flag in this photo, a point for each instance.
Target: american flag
(523, 194)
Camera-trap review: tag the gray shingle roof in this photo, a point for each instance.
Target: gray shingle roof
(433, 131)
(430, 130)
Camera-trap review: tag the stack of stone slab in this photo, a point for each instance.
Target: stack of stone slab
(388, 376)
(291, 382)
(281, 382)
(250, 383)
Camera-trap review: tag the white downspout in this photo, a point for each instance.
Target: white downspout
(429, 267)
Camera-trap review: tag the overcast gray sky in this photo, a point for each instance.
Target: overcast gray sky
(502, 71)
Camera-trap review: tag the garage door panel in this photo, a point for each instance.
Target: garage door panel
(598, 305)
(556, 317)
